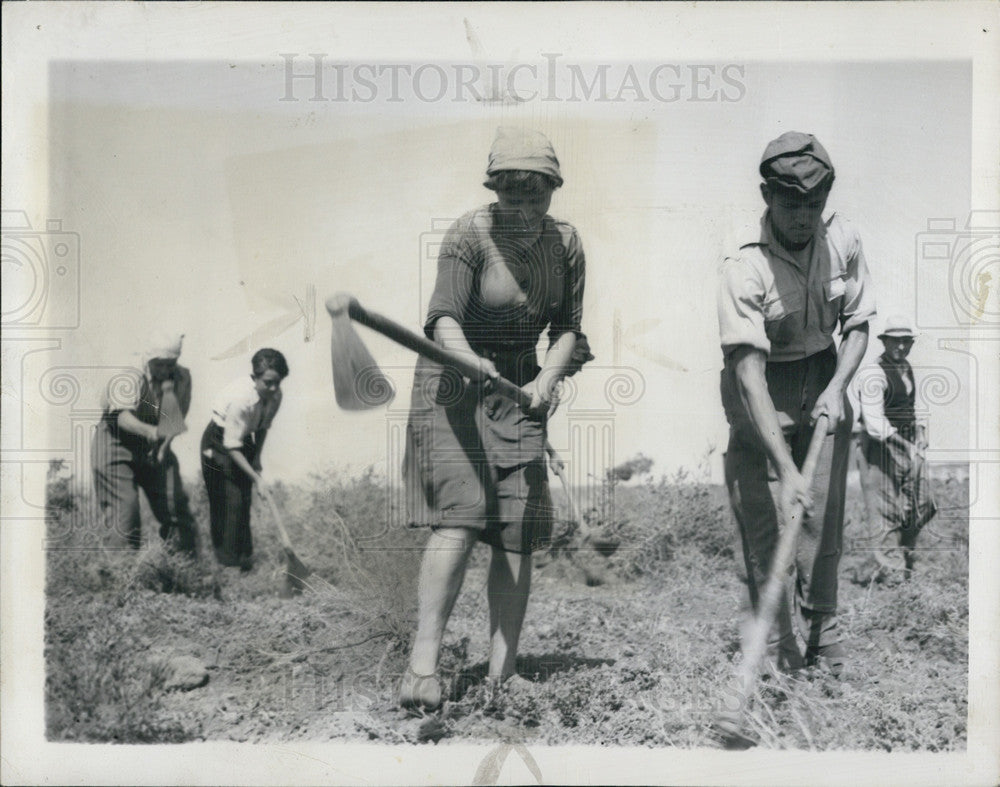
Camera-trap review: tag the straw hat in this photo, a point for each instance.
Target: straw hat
(898, 327)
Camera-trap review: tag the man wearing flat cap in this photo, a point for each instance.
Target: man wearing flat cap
(797, 281)
(893, 445)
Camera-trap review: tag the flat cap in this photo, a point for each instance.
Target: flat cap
(797, 162)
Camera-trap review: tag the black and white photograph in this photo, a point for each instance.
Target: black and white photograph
(500, 393)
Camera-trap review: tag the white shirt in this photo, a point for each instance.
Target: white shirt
(868, 389)
(240, 411)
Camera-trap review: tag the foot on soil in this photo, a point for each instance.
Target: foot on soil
(729, 731)
(419, 692)
(787, 660)
(831, 657)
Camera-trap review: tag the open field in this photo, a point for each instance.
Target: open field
(633, 648)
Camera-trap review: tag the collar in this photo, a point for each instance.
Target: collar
(761, 236)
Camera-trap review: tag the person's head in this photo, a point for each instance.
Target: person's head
(161, 369)
(162, 353)
(897, 337)
(797, 175)
(269, 369)
(523, 170)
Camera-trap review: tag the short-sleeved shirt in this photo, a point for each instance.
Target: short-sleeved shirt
(140, 394)
(771, 301)
(502, 290)
(241, 412)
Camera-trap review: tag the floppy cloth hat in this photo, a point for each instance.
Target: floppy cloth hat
(797, 162)
(525, 150)
(164, 344)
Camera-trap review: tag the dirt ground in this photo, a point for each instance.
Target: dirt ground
(635, 648)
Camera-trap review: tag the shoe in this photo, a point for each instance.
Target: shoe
(784, 656)
(832, 657)
(419, 692)
(788, 661)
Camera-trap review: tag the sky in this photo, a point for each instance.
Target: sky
(206, 204)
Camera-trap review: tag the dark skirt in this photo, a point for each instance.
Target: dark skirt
(475, 460)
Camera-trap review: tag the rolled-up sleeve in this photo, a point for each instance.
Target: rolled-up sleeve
(741, 307)
(455, 277)
(235, 424)
(570, 313)
(859, 295)
(871, 385)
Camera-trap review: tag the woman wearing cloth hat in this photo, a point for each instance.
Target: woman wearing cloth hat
(782, 297)
(893, 445)
(475, 462)
(141, 415)
(230, 453)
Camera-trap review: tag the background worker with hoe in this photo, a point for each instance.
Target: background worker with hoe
(781, 298)
(893, 446)
(142, 413)
(231, 447)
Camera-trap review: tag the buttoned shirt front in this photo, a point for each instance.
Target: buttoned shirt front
(788, 307)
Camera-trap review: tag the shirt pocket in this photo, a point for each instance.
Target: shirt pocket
(833, 298)
(783, 314)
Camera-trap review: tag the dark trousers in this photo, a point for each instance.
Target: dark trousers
(229, 497)
(119, 473)
(898, 501)
(753, 492)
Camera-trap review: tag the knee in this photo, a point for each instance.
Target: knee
(453, 539)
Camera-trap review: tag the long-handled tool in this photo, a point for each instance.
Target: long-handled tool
(357, 382)
(296, 572)
(731, 724)
(588, 536)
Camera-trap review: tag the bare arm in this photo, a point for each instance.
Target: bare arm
(449, 334)
(260, 437)
(831, 401)
(241, 462)
(557, 360)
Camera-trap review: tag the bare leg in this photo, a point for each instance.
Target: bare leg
(441, 574)
(509, 584)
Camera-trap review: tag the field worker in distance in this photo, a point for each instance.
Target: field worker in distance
(897, 487)
(142, 413)
(230, 454)
(782, 297)
(474, 466)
